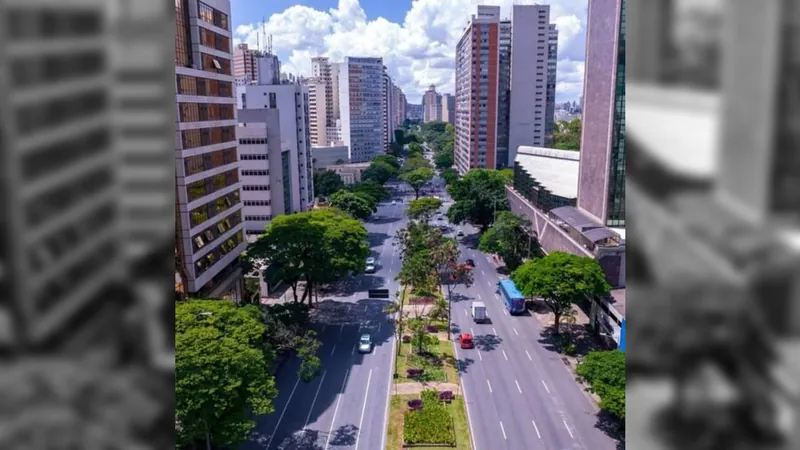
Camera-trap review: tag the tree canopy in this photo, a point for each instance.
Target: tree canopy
(561, 279)
(379, 172)
(222, 371)
(415, 162)
(606, 374)
(414, 148)
(352, 204)
(320, 246)
(423, 209)
(511, 238)
(371, 189)
(326, 182)
(417, 178)
(450, 176)
(567, 135)
(477, 196)
(387, 159)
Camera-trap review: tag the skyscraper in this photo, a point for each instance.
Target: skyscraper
(601, 185)
(431, 105)
(477, 72)
(321, 98)
(388, 111)
(504, 95)
(552, 73)
(529, 76)
(244, 64)
(448, 108)
(209, 235)
(361, 107)
(399, 107)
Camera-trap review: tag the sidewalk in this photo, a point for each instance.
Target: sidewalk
(415, 387)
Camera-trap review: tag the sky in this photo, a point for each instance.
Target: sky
(417, 39)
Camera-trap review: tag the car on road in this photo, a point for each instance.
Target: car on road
(465, 340)
(365, 343)
(370, 261)
(370, 268)
(460, 233)
(470, 262)
(394, 202)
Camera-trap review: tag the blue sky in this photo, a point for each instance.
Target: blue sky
(416, 39)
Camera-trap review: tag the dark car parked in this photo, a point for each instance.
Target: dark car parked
(470, 263)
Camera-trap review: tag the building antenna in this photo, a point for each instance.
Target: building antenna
(258, 41)
(264, 28)
(270, 44)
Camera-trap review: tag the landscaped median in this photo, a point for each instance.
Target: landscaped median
(427, 408)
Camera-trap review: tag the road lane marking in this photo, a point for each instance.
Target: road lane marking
(335, 411)
(518, 388)
(471, 332)
(504, 354)
(503, 430)
(505, 312)
(389, 394)
(479, 296)
(494, 331)
(480, 356)
(490, 386)
(366, 308)
(545, 387)
(353, 351)
(323, 329)
(567, 427)
(529, 355)
(341, 329)
(488, 282)
(515, 331)
(465, 313)
(483, 272)
(333, 349)
(313, 402)
(537, 429)
(363, 409)
(277, 425)
(496, 295)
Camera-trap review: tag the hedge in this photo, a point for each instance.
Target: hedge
(431, 424)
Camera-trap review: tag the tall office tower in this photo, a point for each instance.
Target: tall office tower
(388, 111)
(400, 107)
(504, 96)
(208, 201)
(761, 163)
(295, 171)
(431, 105)
(317, 112)
(244, 64)
(268, 68)
(448, 108)
(361, 107)
(601, 182)
(61, 260)
(476, 91)
(552, 72)
(321, 73)
(335, 71)
(529, 59)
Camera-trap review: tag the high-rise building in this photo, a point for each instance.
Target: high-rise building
(504, 95)
(552, 73)
(244, 64)
(601, 185)
(335, 71)
(361, 107)
(317, 112)
(529, 61)
(399, 107)
(431, 105)
(414, 111)
(448, 108)
(388, 111)
(210, 229)
(321, 98)
(477, 72)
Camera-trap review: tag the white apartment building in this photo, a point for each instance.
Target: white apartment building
(361, 106)
(530, 41)
(291, 100)
(317, 112)
(388, 111)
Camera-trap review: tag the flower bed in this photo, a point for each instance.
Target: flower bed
(430, 424)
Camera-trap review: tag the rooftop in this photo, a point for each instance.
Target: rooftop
(556, 170)
(350, 166)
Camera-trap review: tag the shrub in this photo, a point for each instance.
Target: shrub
(431, 328)
(605, 373)
(406, 338)
(415, 403)
(430, 424)
(446, 396)
(413, 373)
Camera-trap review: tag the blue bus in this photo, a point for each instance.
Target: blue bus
(512, 297)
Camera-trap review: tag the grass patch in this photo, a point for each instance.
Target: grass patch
(432, 424)
(397, 408)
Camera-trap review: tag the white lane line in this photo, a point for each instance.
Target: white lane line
(529, 355)
(503, 430)
(277, 425)
(567, 427)
(479, 296)
(465, 313)
(488, 282)
(494, 332)
(363, 409)
(545, 387)
(333, 349)
(518, 388)
(483, 272)
(498, 297)
(490, 386)
(323, 329)
(341, 329)
(335, 411)
(480, 356)
(471, 332)
(504, 354)
(353, 351)
(515, 331)
(366, 308)
(505, 312)
(537, 429)
(313, 402)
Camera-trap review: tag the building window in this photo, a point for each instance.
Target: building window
(213, 208)
(207, 186)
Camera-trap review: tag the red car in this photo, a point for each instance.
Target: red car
(466, 340)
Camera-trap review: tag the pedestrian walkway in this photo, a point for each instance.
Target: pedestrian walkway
(415, 387)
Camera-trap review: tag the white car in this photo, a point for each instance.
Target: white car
(394, 202)
(370, 268)
(370, 261)
(365, 344)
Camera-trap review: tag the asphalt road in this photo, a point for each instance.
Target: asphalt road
(346, 406)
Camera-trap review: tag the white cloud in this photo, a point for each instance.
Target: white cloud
(418, 52)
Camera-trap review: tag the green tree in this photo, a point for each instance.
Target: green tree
(352, 204)
(379, 172)
(414, 149)
(605, 373)
(415, 162)
(417, 179)
(561, 279)
(400, 137)
(372, 189)
(444, 159)
(510, 237)
(423, 209)
(477, 196)
(287, 331)
(222, 371)
(567, 135)
(319, 246)
(310, 362)
(387, 159)
(508, 176)
(326, 182)
(450, 176)
(420, 337)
